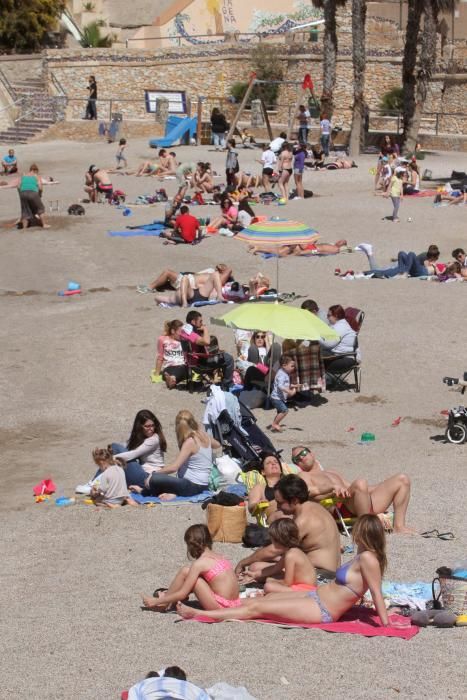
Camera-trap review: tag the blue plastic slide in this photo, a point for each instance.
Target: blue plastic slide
(175, 129)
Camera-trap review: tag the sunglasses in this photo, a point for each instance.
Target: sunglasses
(260, 335)
(300, 455)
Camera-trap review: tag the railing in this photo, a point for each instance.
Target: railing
(7, 85)
(197, 39)
(439, 122)
(57, 84)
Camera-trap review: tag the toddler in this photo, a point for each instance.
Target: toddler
(111, 490)
(282, 391)
(120, 155)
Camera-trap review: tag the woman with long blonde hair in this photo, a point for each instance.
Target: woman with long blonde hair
(331, 600)
(192, 467)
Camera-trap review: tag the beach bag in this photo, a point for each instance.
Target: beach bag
(452, 591)
(228, 468)
(226, 523)
(76, 210)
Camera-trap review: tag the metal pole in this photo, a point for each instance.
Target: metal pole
(400, 14)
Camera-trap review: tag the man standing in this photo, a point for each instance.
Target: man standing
(319, 536)
(91, 108)
(358, 496)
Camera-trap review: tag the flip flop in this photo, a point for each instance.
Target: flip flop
(430, 533)
(446, 536)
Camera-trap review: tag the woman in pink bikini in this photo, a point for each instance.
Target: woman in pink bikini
(331, 600)
(211, 577)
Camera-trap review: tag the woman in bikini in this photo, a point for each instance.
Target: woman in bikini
(202, 178)
(332, 600)
(211, 577)
(285, 165)
(311, 248)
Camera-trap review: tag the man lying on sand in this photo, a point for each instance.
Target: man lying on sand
(358, 496)
(312, 248)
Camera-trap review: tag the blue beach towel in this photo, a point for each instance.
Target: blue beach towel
(178, 500)
(135, 232)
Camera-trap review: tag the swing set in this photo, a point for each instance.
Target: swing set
(304, 94)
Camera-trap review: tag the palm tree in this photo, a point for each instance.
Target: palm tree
(93, 38)
(415, 82)
(329, 8)
(359, 61)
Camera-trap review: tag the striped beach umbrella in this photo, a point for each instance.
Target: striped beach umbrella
(277, 232)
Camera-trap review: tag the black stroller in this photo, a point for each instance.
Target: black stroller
(244, 442)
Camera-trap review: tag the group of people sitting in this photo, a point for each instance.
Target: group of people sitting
(301, 568)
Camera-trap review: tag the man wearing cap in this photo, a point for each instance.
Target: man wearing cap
(358, 496)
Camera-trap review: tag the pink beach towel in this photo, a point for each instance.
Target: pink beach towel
(358, 620)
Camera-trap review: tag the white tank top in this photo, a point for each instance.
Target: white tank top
(197, 468)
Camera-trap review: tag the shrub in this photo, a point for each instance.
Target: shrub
(392, 101)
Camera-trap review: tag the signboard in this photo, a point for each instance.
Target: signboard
(177, 100)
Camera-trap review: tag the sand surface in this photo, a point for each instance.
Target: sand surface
(73, 373)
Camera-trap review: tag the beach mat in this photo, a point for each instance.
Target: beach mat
(177, 501)
(358, 620)
(135, 232)
(422, 193)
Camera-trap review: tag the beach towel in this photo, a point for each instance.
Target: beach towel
(156, 225)
(177, 501)
(358, 620)
(422, 193)
(135, 232)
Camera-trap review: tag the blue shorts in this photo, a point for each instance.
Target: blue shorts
(279, 405)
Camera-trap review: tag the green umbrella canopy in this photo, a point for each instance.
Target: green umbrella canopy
(281, 320)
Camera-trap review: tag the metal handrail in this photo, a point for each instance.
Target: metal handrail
(11, 104)
(6, 83)
(57, 84)
(24, 116)
(214, 38)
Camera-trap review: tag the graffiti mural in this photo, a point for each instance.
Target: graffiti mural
(201, 19)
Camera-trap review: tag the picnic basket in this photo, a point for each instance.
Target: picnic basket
(226, 523)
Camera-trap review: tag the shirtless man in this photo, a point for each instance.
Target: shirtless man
(319, 536)
(97, 182)
(165, 166)
(359, 497)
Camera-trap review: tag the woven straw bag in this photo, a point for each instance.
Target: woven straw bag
(226, 523)
(453, 593)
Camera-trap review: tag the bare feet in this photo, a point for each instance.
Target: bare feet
(404, 530)
(276, 429)
(167, 496)
(186, 612)
(135, 489)
(155, 603)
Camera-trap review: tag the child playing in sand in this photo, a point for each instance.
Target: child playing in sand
(111, 491)
(120, 155)
(211, 577)
(282, 390)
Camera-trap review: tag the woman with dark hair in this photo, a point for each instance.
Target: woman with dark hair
(229, 214)
(387, 148)
(408, 264)
(332, 600)
(91, 108)
(262, 493)
(219, 128)
(144, 452)
(30, 197)
(345, 343)
(259, 353)
(170, 358)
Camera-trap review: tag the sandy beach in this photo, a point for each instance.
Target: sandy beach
(74, 371)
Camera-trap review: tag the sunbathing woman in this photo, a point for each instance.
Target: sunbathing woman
(312, 248)
(408, 264)
(332, 600)
(211, 577)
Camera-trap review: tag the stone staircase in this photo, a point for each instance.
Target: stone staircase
(38, 111)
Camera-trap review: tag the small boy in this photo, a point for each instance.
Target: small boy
(10, 163)
(231, 164)
(282, 390)
(120, 155)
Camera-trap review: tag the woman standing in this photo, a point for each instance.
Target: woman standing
(144, 452)
(303, 117)
(91, 109)
(285, 164)
(192, 466)
(219, 127)
(30, 192)
(298, 168)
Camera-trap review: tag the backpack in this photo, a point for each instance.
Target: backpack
(76, 210)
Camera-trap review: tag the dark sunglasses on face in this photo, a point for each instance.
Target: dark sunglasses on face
(300, 455)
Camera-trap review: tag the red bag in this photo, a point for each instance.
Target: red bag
(45, 487)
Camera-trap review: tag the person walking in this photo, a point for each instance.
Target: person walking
(325, 127)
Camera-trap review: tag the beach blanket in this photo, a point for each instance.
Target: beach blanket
(177, 501)
(422, 193)
(309, 366)
(358, 620)
(135, 232)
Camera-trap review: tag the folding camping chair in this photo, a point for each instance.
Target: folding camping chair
(344, 521)
(205, 365)
(340, 367)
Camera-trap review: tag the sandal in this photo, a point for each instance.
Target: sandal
(430, 533)
(446, 536)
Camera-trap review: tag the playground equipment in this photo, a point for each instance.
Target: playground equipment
(176, 129)
(305, 86)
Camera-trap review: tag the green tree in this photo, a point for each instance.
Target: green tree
(329, 8)
(267, 66)
(93, 38)
(24, 23)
